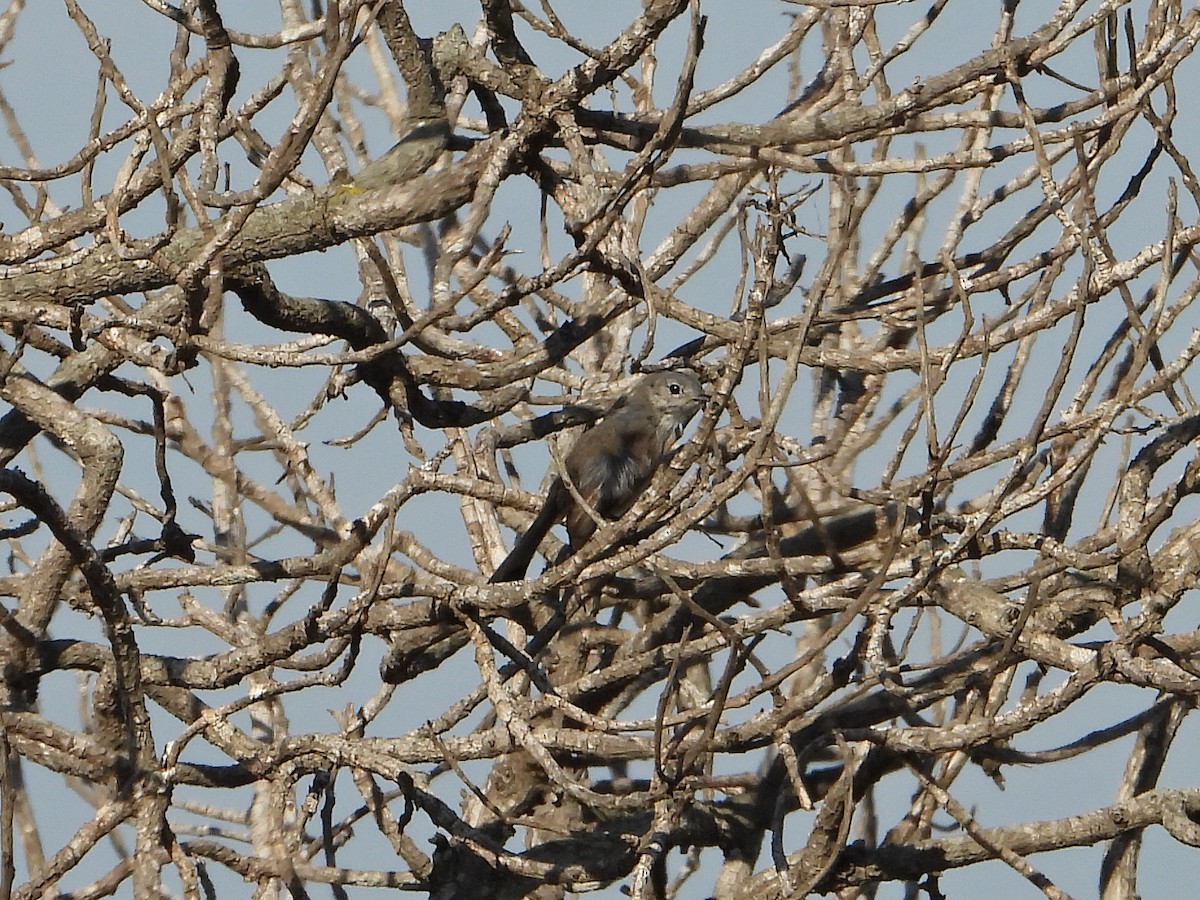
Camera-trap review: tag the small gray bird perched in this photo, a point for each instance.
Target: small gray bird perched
(611, 463)
(423, 141)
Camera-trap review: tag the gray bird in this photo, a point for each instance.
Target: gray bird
(422, 143)
(611, 463)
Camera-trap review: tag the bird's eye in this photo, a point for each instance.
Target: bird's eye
(675, 388)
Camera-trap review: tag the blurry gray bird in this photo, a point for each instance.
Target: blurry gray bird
(423, 141)
(381, 308)
(611, 463)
